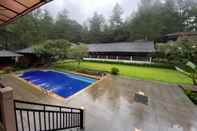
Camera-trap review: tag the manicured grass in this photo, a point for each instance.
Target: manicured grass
(145, 73)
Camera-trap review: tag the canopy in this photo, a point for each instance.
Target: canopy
(11, 9)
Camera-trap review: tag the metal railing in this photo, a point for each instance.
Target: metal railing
(42, 117)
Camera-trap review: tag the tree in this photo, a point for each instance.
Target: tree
(96, 25)
(25, 30)
(116, 18)
(85, 33)
(155, 18)
(190, 71)
(179, 52)
(68, 29)
(45, 25)
(78, 52)
(187, 10)
(53, 49)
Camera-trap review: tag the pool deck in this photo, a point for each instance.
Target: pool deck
(110, 105)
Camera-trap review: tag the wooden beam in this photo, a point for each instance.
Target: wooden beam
(9, 9)
(27, 10)
(5, 16)
(20, 3)
(2, 20)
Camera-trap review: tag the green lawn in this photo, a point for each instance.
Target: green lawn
(145, 73)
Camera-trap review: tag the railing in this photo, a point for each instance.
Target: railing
(118, 61)
(42, 117)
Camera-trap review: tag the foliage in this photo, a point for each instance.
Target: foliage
(179, 52)
(192, 95)
(191, 71)
(116, 19)
(54, 49)
(1, 72)
(78, 52)
(145, 73)
(8, 69)
(19, 67)
(114, 71)
(88, 71)
(155, 65)
(153, 19)
(96, 25)
(66, 28)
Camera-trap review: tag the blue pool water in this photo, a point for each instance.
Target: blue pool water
(62, 84)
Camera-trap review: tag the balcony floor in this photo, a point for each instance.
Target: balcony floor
(110, 105)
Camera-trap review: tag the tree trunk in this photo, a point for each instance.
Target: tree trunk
(194, 79)
(79, 62)
(195, 82)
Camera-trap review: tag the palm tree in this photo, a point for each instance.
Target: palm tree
(191, 72)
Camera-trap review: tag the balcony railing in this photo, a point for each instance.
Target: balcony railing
(42, 117)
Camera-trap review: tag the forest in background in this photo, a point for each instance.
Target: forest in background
(153, 19)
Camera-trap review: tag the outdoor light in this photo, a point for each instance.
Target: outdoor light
(136, 129)
(82, 107)
(141, 93)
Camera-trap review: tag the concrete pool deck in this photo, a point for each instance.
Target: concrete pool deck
(110, 105)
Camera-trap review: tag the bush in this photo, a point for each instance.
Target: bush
(154, 65)
(192, 95)
(8, 69)
(114, 71)
(21, 66)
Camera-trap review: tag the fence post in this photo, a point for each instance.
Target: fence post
(82, 119)
(131, 58)
(150, 59)
(7, 109)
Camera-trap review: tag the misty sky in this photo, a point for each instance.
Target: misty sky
(81, 10)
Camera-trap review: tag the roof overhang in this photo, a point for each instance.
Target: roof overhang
(12, 9)
(6, 53)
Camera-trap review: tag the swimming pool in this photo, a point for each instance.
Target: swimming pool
(62, 84)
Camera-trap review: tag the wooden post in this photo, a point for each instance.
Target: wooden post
(7, 109)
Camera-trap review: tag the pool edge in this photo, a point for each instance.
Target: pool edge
(48, 93)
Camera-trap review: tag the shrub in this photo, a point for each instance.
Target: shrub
(8, 69)
(114, 71)
(192, 95)
(21, 66)
(154, 65)
(90, 72)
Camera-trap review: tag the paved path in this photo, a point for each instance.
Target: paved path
(110, 105)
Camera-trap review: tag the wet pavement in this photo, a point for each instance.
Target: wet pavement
(110, 105)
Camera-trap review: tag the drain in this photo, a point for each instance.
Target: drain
(141, 99)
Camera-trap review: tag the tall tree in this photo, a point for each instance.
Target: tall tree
(66, 28)
(154, 19)
(96, 27)
(116, 18)
(117, 25)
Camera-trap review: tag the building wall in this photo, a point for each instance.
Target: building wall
(28, 59)
(141, 56)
